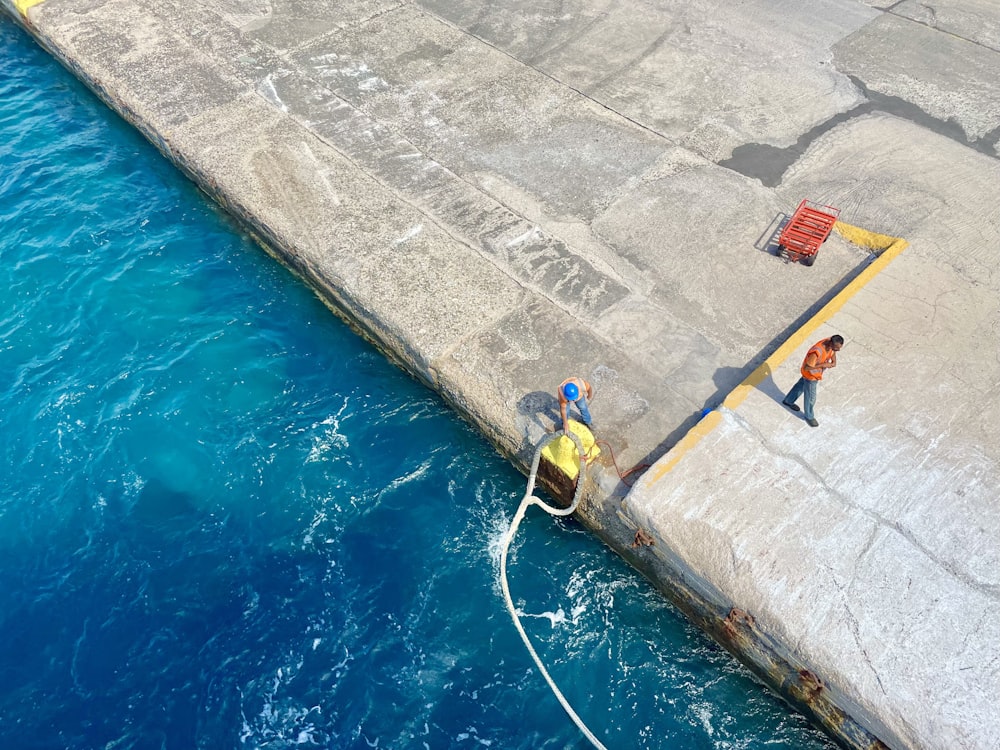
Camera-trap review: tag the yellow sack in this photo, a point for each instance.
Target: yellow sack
(562, 453)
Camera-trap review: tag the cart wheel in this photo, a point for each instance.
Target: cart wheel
(808, 260)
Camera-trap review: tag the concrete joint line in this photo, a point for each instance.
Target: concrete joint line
(891, 11)
(539, 71)
(470, 242)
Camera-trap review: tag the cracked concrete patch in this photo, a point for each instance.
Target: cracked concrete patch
(946, 76)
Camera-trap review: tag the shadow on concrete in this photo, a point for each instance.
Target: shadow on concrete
(539, 406)
(768, 241)
(668, 442)
(769, 388)
(726, 379)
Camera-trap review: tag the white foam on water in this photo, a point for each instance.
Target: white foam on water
(703, 711)
(329, 437)
(555, 618)
(472, 734)
(280, 719)
(418, 473)
(496, 531)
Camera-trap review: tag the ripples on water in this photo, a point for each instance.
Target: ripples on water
(226, 522)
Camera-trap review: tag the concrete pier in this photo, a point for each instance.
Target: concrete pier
(500, 195)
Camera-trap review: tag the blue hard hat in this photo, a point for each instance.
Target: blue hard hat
(571, 392)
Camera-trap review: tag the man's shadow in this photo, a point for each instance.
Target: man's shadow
(725, 380)
(728, 378)
(540, 408)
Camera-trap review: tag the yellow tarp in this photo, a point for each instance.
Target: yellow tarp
(562, 453)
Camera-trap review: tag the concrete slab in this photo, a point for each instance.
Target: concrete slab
(139, 55)
(521, 356)
(881, 527)
(948, 77)
(886, 172)
(306, 193)
(973, 20)
(808, 532)
(284, 25)
(700, 74)
(704, 259)
(479, 111)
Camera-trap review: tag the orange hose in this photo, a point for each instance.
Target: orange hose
(621, 476)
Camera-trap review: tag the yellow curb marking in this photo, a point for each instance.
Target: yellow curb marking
(891, 247)
(23, 5)
(689, 441)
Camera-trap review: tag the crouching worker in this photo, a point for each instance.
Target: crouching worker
(575, 391)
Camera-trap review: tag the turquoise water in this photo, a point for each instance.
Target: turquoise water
(226, 522)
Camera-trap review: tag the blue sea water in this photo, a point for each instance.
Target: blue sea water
(227, 522)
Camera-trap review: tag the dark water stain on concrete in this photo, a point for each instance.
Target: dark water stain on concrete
(769, 163)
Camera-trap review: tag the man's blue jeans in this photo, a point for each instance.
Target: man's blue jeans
(807, 389)
(581, 404)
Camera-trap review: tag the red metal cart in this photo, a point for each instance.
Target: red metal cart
(808, 228)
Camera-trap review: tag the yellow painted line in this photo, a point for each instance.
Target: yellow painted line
(689, 441)
(23, 5)
(859, 236)
(891, 247)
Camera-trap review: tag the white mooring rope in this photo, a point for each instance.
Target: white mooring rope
(530, 499)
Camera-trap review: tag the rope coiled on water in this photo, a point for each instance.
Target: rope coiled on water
(530, 499)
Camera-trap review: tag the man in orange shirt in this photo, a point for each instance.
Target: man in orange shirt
(574, 391)
(822, 356)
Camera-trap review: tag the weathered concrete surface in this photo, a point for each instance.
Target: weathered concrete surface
(972, 20)
(500, 195)
(947, 76)
(871, 546)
